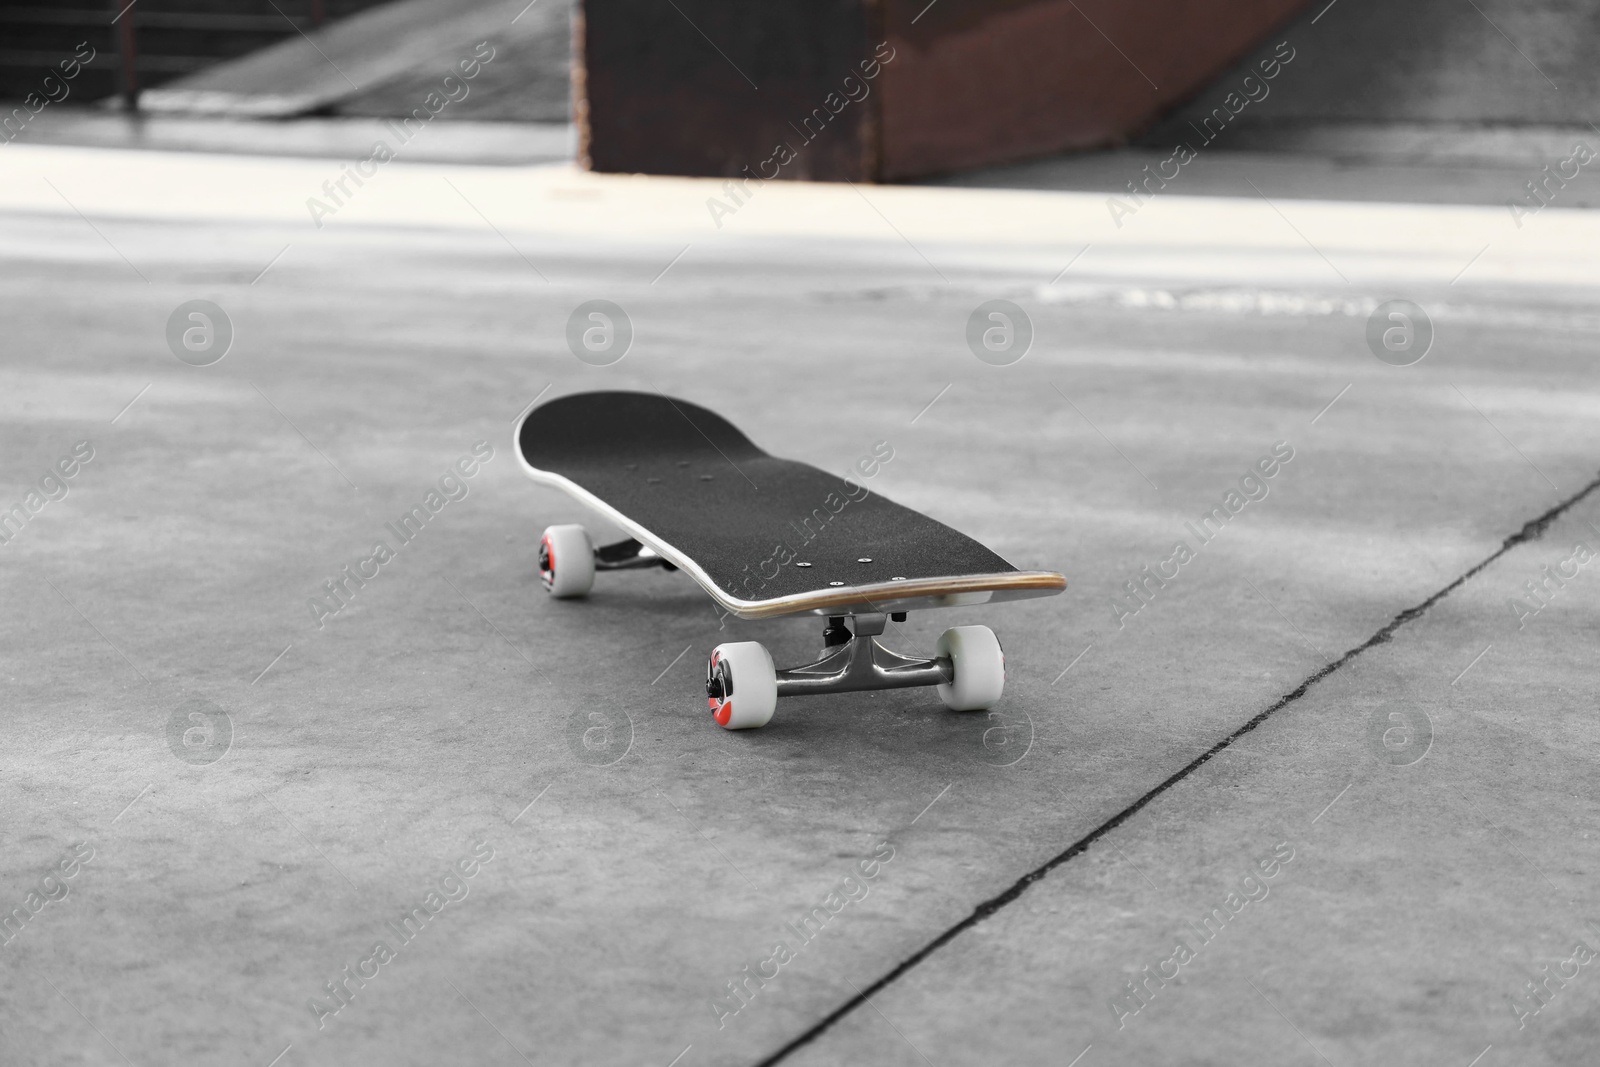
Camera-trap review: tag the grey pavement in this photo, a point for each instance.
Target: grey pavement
(643, 859)
(1435, 797)
(1477, 169)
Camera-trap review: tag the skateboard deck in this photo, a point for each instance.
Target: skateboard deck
(764, 536)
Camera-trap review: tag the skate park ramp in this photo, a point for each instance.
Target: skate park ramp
(386, 60)
(336, 91)
(1421, 101)
(1421, 80)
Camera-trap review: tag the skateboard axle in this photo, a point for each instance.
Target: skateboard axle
(859, 662)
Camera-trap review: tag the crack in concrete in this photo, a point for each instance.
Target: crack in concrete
(1532, 530)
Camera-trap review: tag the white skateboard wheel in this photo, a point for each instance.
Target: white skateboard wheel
(566, 561)
(979, 666)
(741, 685)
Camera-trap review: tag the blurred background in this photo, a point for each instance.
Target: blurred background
(1065, 93)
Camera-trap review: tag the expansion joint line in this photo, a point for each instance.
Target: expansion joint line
(1532, 530)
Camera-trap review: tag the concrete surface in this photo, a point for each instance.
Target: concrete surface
(1167, 236)
(1493, 172)
(1419, 164)
(450, 701)
(1433, 878)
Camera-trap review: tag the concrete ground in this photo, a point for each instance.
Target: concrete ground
(1338, 675)
(1327, 173)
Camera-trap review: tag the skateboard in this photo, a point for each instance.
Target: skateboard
(767, 537)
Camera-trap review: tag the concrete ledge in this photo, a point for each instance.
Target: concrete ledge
(453, 141)
(1486, 143)
(1217, 240)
